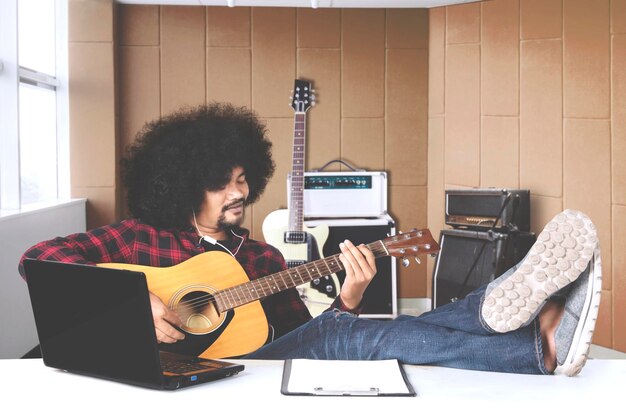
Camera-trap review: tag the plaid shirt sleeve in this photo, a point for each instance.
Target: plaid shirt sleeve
(112, 243)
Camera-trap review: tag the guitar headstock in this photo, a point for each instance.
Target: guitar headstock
(412, 243)
(303, 97)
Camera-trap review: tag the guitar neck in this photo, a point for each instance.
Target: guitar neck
(296, 199)
(271, 284)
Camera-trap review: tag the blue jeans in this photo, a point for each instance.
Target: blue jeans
(452, 335)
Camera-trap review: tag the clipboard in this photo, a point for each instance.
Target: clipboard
(381, 378)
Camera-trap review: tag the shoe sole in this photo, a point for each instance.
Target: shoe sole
(561, 253)
(581, 343)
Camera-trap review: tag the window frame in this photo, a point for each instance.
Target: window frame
(11, 76)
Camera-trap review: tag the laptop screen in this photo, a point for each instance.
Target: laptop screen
(94, 320)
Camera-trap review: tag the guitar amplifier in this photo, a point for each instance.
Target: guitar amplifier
(488, 208)
(359, 194)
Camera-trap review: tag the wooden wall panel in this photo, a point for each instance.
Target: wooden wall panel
(273, 60)
(618, 16)
(499, 152)
(541, 117)
(234, 84)
(500, 58)
(228, 26)
(361, 146)
(280, 132)
(363, 62)
(319, 28)
(90, 21)
(541, 19)
(463, 23)
(462, 145)
(586, 59)
(406, 134)
(436, 60)
(138, 25)
(323, 67)
(407, 28)
(618, 118)
(139, 99)
(182, 68)
(92, 108)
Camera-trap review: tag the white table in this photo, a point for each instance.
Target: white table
(31, 388)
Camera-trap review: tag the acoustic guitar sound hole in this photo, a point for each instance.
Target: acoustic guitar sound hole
(197, 311)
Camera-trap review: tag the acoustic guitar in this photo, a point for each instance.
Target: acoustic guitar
(219, 306)
(284, 229)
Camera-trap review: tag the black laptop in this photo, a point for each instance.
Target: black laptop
(97, 321)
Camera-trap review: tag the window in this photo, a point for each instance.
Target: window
(34, 146)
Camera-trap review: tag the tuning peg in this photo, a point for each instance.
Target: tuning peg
(418, 260)
(405, 262)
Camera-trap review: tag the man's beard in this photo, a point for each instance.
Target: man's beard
(229, 224)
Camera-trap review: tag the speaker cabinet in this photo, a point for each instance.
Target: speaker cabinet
(469, 259)
(380, 298)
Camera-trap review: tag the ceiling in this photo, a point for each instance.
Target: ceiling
(306, 3)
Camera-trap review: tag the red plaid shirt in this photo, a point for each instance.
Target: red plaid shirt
(134, 242)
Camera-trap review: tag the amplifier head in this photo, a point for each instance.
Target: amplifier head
(342, 194)
(488, 208)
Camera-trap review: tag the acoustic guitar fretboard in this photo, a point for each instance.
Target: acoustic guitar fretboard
(271, 284)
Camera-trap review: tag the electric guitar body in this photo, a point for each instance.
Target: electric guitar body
(319, 293)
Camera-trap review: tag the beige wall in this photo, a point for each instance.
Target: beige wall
(369, 68)
(531, 94)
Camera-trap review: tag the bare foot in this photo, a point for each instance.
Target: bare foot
(549, 319)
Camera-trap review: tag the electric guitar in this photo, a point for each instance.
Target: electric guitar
(284, 228)
(219, 306)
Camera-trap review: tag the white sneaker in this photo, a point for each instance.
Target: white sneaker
(561, 253)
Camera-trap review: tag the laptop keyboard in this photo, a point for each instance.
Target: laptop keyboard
(181, 367)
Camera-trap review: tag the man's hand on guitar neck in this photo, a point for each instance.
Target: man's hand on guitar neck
(360, 266)
(164, 321)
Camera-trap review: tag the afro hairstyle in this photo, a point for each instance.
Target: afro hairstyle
(176, 158)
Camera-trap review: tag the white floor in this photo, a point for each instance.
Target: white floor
(417, 306)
